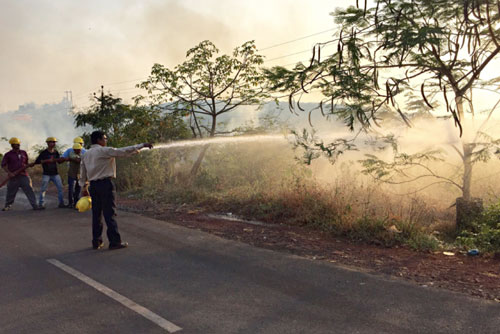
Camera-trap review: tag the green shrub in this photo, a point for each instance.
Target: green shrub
(484, 233)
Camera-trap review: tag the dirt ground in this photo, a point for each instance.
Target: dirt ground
(478, 276)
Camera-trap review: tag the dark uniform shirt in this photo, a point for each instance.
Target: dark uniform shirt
(48, 168)
(15, 161)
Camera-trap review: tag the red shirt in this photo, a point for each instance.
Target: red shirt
(15, 161)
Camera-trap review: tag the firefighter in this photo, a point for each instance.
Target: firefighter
(15, 162)
(74, 158)
(98, 167)
(49, 158)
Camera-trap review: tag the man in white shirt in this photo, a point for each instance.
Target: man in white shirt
(98, 167)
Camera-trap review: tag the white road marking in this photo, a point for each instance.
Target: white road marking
(163, 323)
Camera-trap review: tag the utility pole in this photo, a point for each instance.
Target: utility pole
(102, 98)
(69, 98)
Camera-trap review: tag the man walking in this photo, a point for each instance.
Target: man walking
(98, 166)
(74, 158)
(15, 163)
(49, 159)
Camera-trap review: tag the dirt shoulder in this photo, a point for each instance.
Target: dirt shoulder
(478, 276)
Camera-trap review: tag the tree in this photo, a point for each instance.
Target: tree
(437, 48)
(125, 124)
(206, 86)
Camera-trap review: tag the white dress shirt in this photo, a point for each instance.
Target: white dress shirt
(99, 161)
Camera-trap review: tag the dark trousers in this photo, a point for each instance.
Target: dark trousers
(23, 182)
(102, 193)
(73, 191)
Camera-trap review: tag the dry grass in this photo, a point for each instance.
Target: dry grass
(268, 184)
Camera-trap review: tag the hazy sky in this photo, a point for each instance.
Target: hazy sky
(51, 46)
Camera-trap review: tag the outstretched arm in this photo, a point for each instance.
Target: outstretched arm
(126, 151)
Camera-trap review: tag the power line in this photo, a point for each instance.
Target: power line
(293, 54)
(297, 39)
(304, 51)
(263, 49)
(266, 48)
(288, 55)
(125, 90)
(128, 81)
(114, 83)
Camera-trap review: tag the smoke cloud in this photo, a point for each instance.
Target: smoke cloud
(32, 124)
(49, 47)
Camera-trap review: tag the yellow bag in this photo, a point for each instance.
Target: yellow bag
(84, 204)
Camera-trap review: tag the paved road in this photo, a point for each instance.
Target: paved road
(201, 284)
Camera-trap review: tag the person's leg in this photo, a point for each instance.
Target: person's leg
(108, 209)
(12, 187)
(76, 194)
(60, 192)
(95, 194)
(25, 183)
(71, 185)
(43, 189)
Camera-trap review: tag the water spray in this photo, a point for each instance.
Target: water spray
(223, 140)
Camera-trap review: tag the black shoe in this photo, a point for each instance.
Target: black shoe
(7, 208)
(97, 245)
(62, 206)
(39, 208)
(119, 246)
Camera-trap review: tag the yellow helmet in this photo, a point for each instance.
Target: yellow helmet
(78, 140)
(84, 204)
(14, 140)
(51, 139)
(77, 146)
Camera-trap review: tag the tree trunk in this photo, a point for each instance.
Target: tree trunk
(459, 101)
(467, 177)
(467, 211)
(468, 208)
(199, 160)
